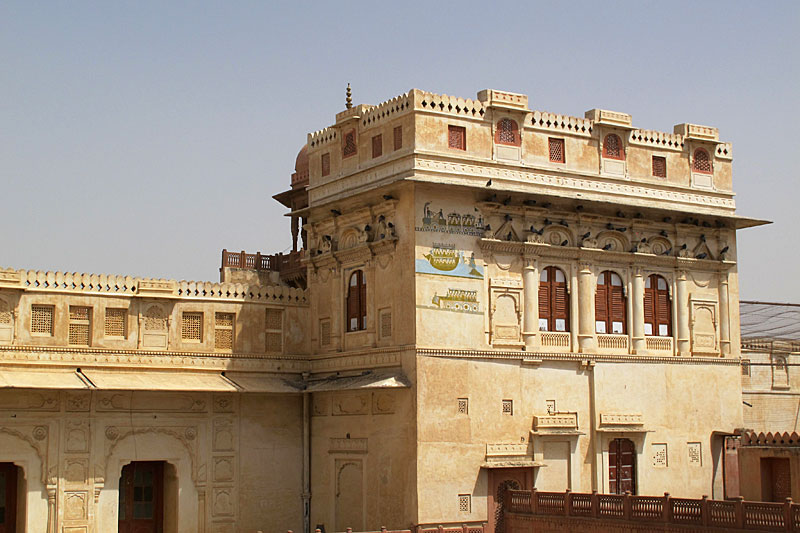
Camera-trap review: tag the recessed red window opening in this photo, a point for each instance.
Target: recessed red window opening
(612, 147)
(507, 132)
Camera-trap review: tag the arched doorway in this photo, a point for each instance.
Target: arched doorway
(621, 466)
(141, 497)
(501, 480)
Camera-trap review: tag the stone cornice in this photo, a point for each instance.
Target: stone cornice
(537, 357)
(131, 359)
(436, 168)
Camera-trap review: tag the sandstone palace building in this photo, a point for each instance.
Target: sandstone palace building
(481, 297)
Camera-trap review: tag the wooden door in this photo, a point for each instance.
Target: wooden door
(141, 498)
(8, 498)
(776, 479)
(621, 466)
(500, 481)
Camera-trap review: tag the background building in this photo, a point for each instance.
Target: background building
(479, 297)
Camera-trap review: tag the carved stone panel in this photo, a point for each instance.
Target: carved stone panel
(75, 505)
(75, 471)
(223, 468)
(150, 401)
(76, 437)
(223, 435)
(351, 404)
(383, 402)
(505, 312)
(78, 401)
(704, 327)
(33, 400)
(222, 502)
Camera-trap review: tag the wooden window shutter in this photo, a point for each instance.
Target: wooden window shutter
(561, 300)
(649, 306)
(601, 304)
(618, 306)
(362, 297)
(664, 310)
(544, 300)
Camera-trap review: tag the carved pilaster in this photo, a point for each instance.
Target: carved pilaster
(530, 316)
(637, 307)
(724, 315)
(586, 290)
(682, 307)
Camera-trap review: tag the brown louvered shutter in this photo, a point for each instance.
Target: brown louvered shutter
(601, 304)
(664, 310)
(544, 302)
(362, 301)
(649, 306)
(561, 307)
(352, 305)
(618, 307)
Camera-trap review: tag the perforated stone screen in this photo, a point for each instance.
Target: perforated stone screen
(556, 150)
(79, 325)
(659, 166)
(457, 137)
(508, 407)
(325, 332)
(223, 331)
(386, 324)
(115, 322)
(42, 319)
(273, 326)
(192, 327)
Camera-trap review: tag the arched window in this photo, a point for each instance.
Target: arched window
(701, 162)
(553, 300)
(609, 304)
(507, 132)
(612, 147)
(657, 307)
(357, 302)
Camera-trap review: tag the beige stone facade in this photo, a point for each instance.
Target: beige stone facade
(490, 297)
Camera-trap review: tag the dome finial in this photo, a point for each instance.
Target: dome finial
(348, 102)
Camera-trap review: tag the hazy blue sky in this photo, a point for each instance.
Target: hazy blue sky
(143, 137)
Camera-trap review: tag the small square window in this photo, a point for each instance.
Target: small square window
(115, 322)
(192, 327)
(464, 503)
(349, 146)
(42, 319)
(463, 406)
(556, 150)
(508, 407)
(659, 166)
(326, 164)
(377, 146)
(223, 331)
(551, 407)
(457, 137)
(398, 137)
(80, 325)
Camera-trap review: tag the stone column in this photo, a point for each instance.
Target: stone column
(586, 291)
(724, 315)
(682, 307)
(574, 309)
(637, 308)
(530, 296)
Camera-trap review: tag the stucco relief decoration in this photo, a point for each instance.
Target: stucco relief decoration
(78, 401)
(40, 432)
(75, 471)
(223, 468)
(383, 229)
(383, 403)
(190, 433)
(444, 259)
(460, 223)
(704, 326)
(75, 505)
(155, 319)
(112, 433)
(505, 311)
(659, 246)
(223, 502)
(77, 437)
(557, 236)
(38, 401)
(223, 435)
(223, 403)
(321, 405)
(351, 404)
(612, 241)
